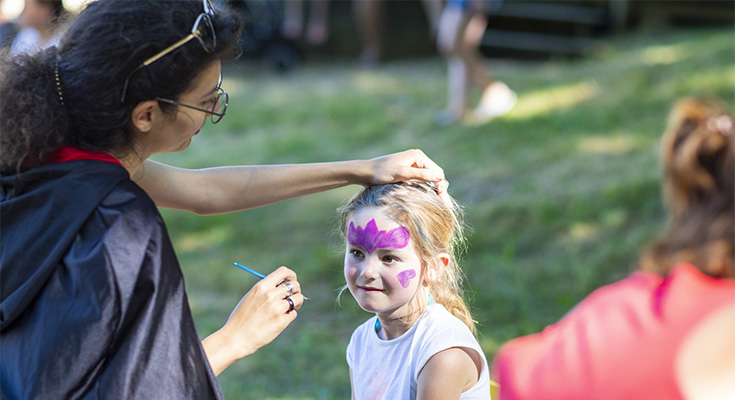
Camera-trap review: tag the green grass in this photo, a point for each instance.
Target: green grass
(561, 194)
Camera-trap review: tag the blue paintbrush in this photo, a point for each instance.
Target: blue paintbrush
(259, 275)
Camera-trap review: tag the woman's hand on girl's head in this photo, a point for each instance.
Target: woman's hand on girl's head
(262, 314)
(404, 166)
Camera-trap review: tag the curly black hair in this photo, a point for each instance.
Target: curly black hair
(101, 47)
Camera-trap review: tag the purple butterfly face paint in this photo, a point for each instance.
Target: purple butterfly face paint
(371, 238)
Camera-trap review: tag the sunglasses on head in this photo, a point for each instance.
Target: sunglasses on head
(203, 31)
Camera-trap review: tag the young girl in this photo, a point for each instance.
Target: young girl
(400, 263)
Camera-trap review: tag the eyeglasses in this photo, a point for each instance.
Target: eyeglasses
(202, 30)
(218, 108)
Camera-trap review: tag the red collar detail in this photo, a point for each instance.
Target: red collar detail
(68, 153)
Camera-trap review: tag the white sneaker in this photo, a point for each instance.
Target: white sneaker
(498, 99)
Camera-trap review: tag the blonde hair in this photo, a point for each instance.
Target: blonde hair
(436, 226)
(698, 161)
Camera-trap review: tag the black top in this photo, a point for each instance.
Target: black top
(92, 297)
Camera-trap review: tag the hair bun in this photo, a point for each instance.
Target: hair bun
(698, 159)
(696, 147)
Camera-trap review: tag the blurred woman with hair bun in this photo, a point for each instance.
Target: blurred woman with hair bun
(668, 330)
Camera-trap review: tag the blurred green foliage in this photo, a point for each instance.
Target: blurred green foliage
(561, 194)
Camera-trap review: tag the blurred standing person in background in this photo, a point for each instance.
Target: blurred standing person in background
(317, 31)
(38, 26)
(461, 27)
(368, 16)
(668, 330)
(92, 298)
(8, 29)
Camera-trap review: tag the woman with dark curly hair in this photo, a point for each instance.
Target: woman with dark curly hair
(668, 330)
(92, 297)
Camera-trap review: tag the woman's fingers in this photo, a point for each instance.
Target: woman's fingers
(293, 303)
(279, 275)
(286, 292)
(290, 287)
(406, 165)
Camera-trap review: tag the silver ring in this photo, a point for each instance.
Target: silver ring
(290, 305)
(289, 287)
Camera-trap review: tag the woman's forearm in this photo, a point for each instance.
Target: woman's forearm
(227, 189)
(217, 353)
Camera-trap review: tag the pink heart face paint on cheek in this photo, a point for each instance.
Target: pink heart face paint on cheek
(405, 277)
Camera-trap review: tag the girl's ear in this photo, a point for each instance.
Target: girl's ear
(445, 259)
(436, 268)
(143, 116)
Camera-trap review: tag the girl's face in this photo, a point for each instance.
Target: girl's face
(382, 269)
(175, 131)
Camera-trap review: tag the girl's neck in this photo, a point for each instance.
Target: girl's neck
(393, 325)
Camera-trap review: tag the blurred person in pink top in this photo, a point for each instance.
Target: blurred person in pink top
(668, 330)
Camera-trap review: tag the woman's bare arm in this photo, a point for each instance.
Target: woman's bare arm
(226, 189)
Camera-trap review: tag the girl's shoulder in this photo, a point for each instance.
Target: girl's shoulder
(438, 330)
(437, 318)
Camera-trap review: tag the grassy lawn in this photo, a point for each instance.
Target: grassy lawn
(561, 193)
